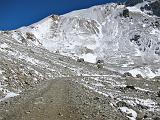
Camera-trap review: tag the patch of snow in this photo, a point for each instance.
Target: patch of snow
(98, 75)
(4, 45)
(1, 71)
(154, 31)
(32, 60)
(148, 102)
(89, 57)
(95, 90)
(9, 95)
(134, 9)
(15, 36)
(92, 47)
(131, 23)
(134, 72)
(144, 102)
(98, 84)
(125, 65)
(145, 72)
(132, 114)
(138, 52)
(40, 32)
(144, 25)
(142, 89)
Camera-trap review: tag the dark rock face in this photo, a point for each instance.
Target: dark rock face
(155, 6)
(99, 66)
(158, 94)
(152, 6)
(130, 87)
(147, 7)
(100, 62)
(139, 76)
(30, 36)
(157, 51)
(126, 13)
(80, 60)
(127, 74)
(136, 39)
(157, 24)
(132, 2)
(121, 104)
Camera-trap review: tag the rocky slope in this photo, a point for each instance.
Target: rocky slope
(126, 38)
(121, 36)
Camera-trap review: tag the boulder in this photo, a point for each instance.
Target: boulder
(121, 104)
(100, 62)
(139, 76)
(80, 60)
(158, 94)
(125, 13)
(99, 66)
(30, 36)
(130, 87)
(127, 74)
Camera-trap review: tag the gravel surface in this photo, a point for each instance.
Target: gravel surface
(59, 99)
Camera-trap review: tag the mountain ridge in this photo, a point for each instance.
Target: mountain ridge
(103, 59)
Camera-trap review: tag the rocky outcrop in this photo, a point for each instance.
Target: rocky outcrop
(133, 2)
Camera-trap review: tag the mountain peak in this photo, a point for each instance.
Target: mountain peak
(112, 49)
(99, 32)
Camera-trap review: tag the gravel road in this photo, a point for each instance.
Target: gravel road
(59, 99)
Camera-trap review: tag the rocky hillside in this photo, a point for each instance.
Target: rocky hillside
(124, 40)
(118, 34)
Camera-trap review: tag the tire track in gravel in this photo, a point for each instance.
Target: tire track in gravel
(54, 100)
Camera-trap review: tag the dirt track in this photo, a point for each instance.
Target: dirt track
(51, 102)
(57, 100)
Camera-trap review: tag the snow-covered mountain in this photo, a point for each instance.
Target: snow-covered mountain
(121, 35)
(125, 36)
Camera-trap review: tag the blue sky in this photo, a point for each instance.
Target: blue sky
(17, 13)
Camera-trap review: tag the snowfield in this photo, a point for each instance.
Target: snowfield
(99, 33)
(104, 61)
